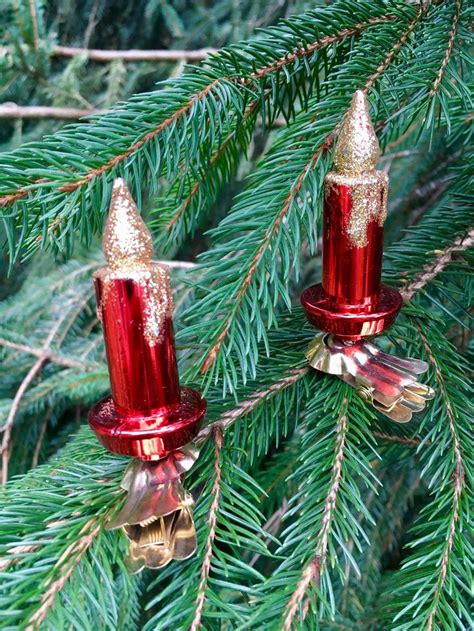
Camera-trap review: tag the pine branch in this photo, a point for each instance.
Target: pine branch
(449, 49)
(212, 521)
(312, 571)
(443, 258)
(222, 88)
(229, 310)
(394, 50)
(458, 485)
(244, 284)
(282, 428)
(67, 564)
(432, 585)
(401, 440)
(256, 399)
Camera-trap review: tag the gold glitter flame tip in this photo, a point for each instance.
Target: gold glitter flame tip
(357, 149)
(127, 241)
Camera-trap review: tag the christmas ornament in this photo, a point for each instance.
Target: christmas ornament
(148, 415)
(351, 303)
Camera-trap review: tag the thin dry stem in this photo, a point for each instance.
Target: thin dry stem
(34, 370)
(95, 54)
(449, 49)
(39, 441)
(34, 23)
(394, 50)
(12, 110)
(47, 356)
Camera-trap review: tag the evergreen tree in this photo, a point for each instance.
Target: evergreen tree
(312, 510)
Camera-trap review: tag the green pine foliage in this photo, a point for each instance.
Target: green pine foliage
(312, 510)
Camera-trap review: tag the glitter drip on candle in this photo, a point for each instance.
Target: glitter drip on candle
(369, 202)
(158, 301)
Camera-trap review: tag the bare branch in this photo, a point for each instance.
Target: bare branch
(94, 54)
(46, 356)
(12, 110)
(34, 23)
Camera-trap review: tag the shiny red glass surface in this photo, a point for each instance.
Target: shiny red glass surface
(351, 275)
(143, 378)
(148, 437)
(350, 325)
(148, 414)
(350, 302)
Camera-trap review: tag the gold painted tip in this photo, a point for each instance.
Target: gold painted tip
(127, 241)
(357, 148)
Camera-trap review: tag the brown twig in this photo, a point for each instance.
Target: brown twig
(449, 49)
(431, 270)
(402, 440)
(46, 356)
(247, 406)
(34, 23)
(39, 442)
(34, 370)
(394, 50)
(312, 571)
(458, 479)
(12, 110)
(7, 428)
(272, 526)
(212, 521)
(94, 54)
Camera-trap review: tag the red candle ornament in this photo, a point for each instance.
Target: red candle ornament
(148, 414)
(351, 302)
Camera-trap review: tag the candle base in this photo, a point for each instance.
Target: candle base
(148, 437)
(352, 324)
